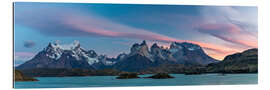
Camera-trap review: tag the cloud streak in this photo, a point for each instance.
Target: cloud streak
(86, 24)
(230, 33)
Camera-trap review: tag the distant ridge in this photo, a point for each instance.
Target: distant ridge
(244, 62)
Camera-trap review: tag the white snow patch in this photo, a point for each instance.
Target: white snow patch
(109, 62)
(66, 46)
(173, 50)
(54, 52)
(122, 56)
(91, 61)
(191, 49)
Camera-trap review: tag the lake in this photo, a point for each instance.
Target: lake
(110, 81)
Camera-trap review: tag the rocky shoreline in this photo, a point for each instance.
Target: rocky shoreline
(20, 77)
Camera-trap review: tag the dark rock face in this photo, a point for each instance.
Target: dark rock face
(121, 56)
(160, 54)
(128, 76)
(161, 76)
(245, 62)
(141, 49)
(134, 63)
(40, 60)
(20, 77)
(141, 58)
(190, 54)
(69, 62)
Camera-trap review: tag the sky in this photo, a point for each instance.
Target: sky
(111, 29)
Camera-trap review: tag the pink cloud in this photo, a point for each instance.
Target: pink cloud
(230, 33)
(107, 28)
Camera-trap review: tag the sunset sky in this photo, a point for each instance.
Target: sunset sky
(111, 29)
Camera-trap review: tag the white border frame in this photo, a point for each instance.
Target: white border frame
(264, 43)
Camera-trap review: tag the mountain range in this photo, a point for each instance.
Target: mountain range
(140, 57)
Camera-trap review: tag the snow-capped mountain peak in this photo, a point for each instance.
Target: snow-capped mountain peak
(191, 46)
(141, 49)
(55, 51)
(72, 46)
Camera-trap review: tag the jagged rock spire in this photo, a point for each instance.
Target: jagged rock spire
(50, 44)
(76, 44)
(143, 43)
(141, 49)
(155, 45)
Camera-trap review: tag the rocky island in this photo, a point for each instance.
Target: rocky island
(160, 76)
(128, 76)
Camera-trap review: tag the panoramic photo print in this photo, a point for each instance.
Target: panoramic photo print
(62, 45)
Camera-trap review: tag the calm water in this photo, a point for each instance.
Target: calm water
(110, 81)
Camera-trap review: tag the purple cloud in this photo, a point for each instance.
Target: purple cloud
(29, 44)
(230, 33)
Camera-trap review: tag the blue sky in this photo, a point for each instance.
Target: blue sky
(112, 28)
